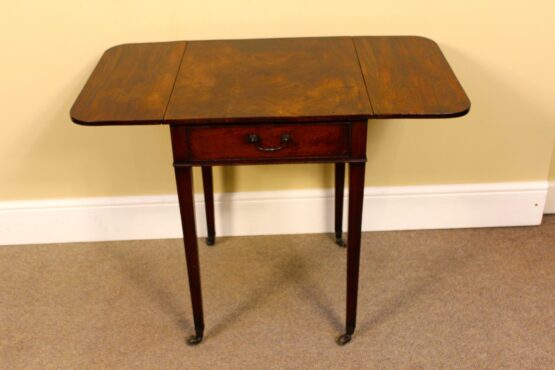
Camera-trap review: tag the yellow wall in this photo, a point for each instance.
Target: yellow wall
(552, 170)
(502, 52)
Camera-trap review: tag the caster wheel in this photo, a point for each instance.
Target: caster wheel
(193, 340)
(344, 339)
(340, 242)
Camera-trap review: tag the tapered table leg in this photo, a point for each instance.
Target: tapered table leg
(184, 179)
(209, 203)
(356, 196)
(339, 194)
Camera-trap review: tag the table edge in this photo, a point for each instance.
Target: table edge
(286, 119)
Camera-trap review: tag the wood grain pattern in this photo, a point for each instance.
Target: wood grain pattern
(271, 80)
(228, 144)
(304, 79)
(131, 84)
(408, 77)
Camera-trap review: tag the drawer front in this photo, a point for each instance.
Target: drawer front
(268, 142)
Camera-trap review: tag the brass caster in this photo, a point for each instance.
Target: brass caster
(340, 242)
(344, 339)
(193, 340)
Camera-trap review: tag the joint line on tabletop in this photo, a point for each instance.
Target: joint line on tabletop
(175, 80)
(362, 74)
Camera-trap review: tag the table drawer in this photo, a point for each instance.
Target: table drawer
(267, 142)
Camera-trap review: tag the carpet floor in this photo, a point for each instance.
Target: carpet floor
(457, 299)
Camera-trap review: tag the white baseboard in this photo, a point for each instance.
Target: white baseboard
(276, 212)
(550, 201)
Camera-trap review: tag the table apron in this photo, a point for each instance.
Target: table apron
(268, 143)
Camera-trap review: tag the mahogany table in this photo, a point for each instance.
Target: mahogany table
(264, 101)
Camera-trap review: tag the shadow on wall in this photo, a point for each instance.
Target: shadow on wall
(61, 159)
(69, 160)
(551, 176)
(275, 177)
(507, 136)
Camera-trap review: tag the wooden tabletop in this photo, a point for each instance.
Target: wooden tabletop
(270, 80)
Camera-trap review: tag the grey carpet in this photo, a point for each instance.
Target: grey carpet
(464, 299)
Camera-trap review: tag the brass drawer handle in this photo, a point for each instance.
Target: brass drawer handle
(285, 139)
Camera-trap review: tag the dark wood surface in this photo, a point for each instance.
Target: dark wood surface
(185, 192)
(356, 196)
(285, 80)
(339, 194)
(408, 77)
(310, 142)
(131, 84)
(269, 80)
(208, 188)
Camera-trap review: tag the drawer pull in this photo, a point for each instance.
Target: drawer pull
(285, 139)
